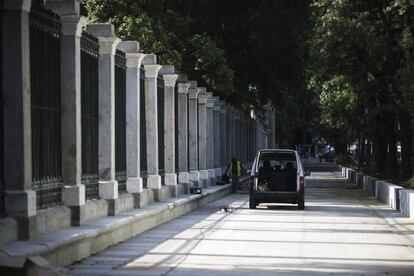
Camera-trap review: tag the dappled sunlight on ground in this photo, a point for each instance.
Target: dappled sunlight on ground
(340, 232)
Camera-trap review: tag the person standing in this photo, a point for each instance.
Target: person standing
(235, 169)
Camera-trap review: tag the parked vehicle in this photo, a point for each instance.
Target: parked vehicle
(277, 176)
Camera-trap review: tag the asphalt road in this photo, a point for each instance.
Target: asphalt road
(341, 232)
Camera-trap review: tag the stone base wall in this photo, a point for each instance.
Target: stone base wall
(407, 202)
(388, 193)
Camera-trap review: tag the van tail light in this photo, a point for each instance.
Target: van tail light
(302, 183)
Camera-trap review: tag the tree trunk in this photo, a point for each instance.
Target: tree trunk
(380, 149)
(392, 162)
(406, 144)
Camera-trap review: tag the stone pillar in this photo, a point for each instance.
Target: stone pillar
(167, 72)
(193, 133)
(224, 159)
(151, 113)
(108, 185)
(182, 98)
(20, 199)
(202, 136)
(210, 139)
(73, 192)
(133, 64)
(229, 146)
(217, 142)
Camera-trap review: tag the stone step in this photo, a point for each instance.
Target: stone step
(72, 244)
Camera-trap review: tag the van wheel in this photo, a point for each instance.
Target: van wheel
(252, 204)
(301, 204)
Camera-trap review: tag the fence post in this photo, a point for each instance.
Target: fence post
(170, 78)
(133, 64)
(20, 199)
(73, 191)
(151, 113)
(210, 139)
(223, 137)
(182, 117)
(108, 186)
(202, 136)
(217, 142)
(193, 134)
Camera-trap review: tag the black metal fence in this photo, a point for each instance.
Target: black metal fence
(160, 107)
(176, 129)
(143, 132)
(45, 32)
(120, 120)
(90, 114)
(2, 188)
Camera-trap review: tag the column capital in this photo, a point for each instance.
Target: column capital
(170, 79)
(21, 5)
(193, 91)
(64, 7)
(223, 107)
(151, 70)
(182, 78)
(133, 56)
(211, 100)
(202, 96)
(183, 87)
(217, 104)
(106, 36)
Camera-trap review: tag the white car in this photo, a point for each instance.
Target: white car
(277, 176)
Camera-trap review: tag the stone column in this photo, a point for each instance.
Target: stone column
(229, 152)
(202, 136)
(210, 139)
(20, 199)
(151, 113)
(193, 133)
(108, 185)
(73, 192)
(133, 64)
(167, 72)
(224, 159)
(217, 142)
(183, 175)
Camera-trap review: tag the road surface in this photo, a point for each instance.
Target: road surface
(341, 232)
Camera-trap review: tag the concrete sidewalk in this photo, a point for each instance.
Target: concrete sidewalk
(69, 245)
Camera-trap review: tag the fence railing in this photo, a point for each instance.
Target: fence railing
(2, 188)
(120, 120)
(160, 107)
(143, 132)
(45, 30)
(90, 114)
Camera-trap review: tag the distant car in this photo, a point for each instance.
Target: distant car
(277, 176)
(327, 157)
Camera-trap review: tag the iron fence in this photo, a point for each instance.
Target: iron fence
(143, 132)
(176, 128)
(160, 107)
(90, 114)
(120, 120)
(45, 32)
(2, 188)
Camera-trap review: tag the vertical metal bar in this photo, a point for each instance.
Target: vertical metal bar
(143, 134)
(120, 120)
(2, 188)
(89, 114)
(160, 107)
(45, 32)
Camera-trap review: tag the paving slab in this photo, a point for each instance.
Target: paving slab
(342, 231)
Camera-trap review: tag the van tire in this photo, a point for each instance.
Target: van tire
(252, 204)
(301, 204)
